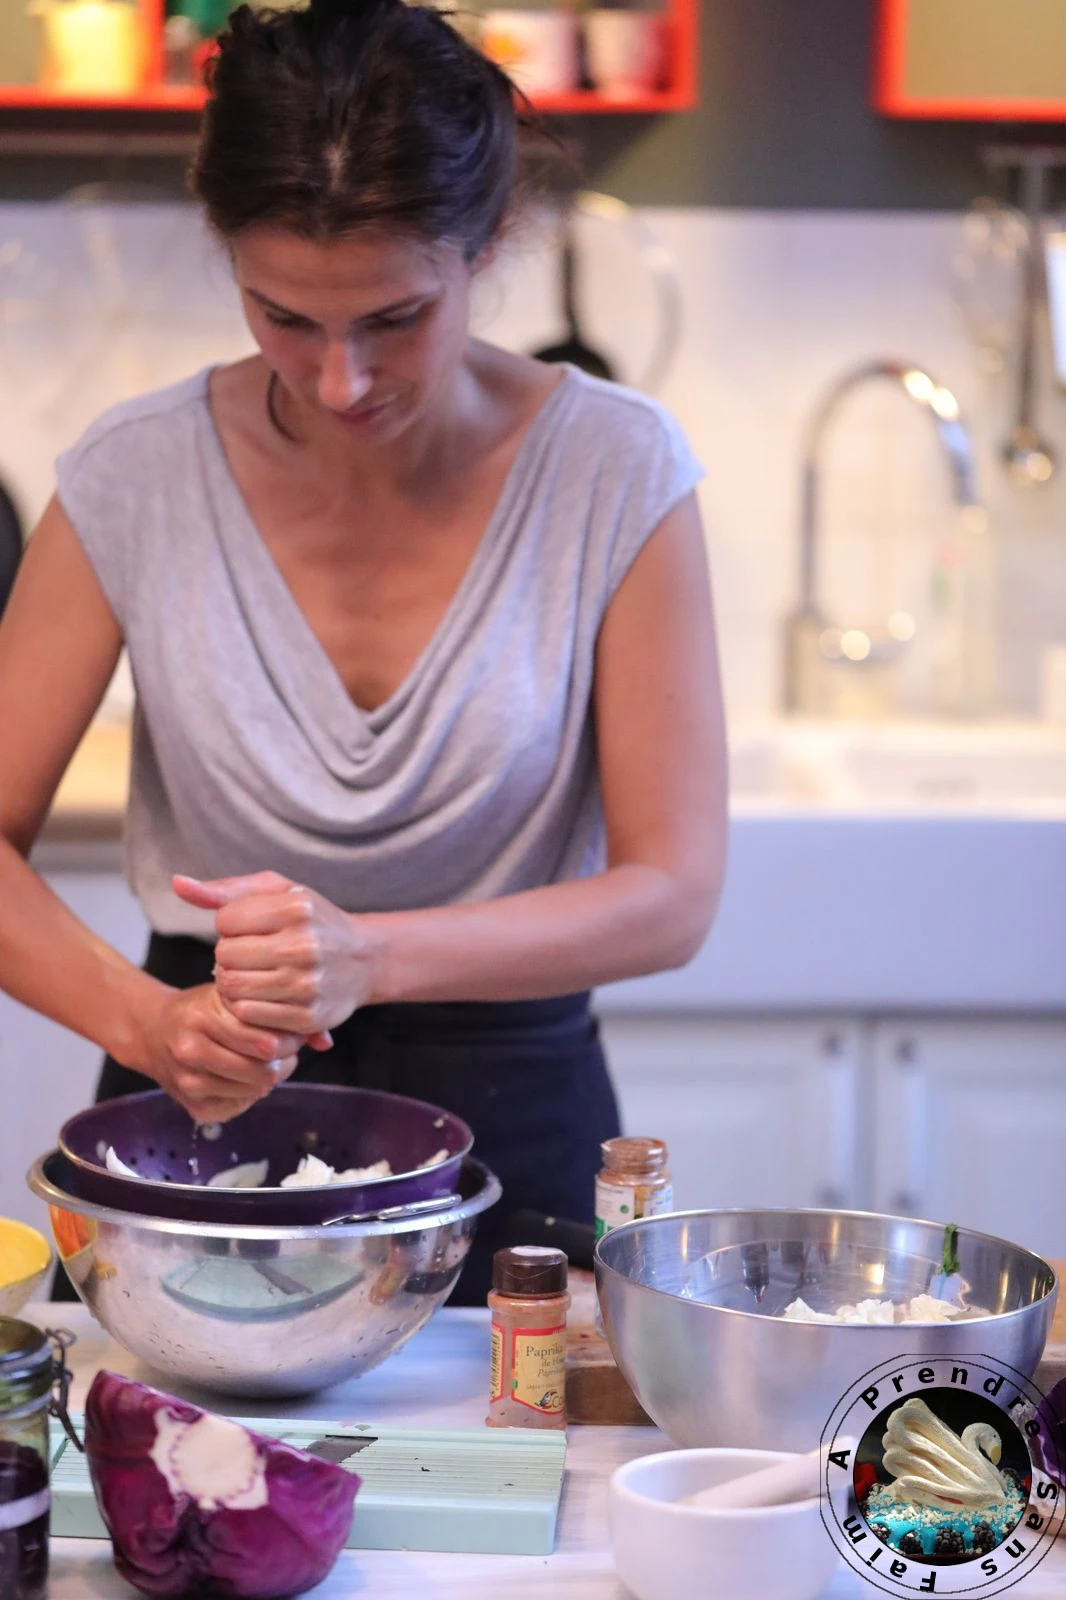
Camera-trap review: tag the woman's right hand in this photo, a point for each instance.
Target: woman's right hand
(207, 1059)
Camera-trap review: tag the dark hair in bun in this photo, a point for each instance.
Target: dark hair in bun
(350, 113)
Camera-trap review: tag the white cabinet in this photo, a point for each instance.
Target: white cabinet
(46, 1072)
(755, 1113)
(970, 1124)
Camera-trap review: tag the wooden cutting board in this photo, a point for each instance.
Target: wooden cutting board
(596, 1391)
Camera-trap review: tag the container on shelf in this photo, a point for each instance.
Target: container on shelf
(539, 49)
(625, 52)
(96, 48)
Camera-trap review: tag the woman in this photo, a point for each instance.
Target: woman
(428, 733)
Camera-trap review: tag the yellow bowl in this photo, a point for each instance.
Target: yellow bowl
(25, 1257)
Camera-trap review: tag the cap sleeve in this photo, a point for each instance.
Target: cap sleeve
(96, 487)
(658, 472)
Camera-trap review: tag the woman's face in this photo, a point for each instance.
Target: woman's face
(367, 331)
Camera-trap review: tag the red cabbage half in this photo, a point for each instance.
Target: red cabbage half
(197, 1505)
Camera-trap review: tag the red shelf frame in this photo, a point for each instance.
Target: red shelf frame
(156, 96)
(891, 98)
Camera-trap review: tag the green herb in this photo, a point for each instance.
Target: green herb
(949, 1261)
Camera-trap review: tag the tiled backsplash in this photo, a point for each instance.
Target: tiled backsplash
(97, 304)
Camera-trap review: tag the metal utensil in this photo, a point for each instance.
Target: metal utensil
(987, 269)
(369, 1285)
(711, 1370)
(416, 1208)
(1027, 455)
(573, 349)
(660, 265)
(113, 294)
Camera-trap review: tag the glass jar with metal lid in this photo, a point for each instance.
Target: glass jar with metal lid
(33, 1385)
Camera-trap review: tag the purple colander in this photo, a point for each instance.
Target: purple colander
(346, 1127)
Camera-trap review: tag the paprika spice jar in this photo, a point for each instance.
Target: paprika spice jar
(528, 1303)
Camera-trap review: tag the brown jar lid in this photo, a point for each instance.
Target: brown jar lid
(529, 1269)
(636, 1155)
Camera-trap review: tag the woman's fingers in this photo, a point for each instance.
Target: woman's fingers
(211, 893)
(198, 1091)
(287, 947)
(275, 1014)
(202, 1108)
(273, 1002)
(265, 913)
(289, 984)
(241, 1038)
(225, 1071)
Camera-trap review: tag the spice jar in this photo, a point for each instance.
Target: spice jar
(633, 1182)
(528, 1303)
(31, 1362)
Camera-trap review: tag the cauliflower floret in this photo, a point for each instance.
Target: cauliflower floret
(799, 1311)
(927, 1308)
(869, 1311)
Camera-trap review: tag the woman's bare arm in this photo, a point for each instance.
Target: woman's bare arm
(59, 644)
(290, 958)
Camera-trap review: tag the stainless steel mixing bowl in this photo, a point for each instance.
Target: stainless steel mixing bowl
(259, 1311)
(691, 1305)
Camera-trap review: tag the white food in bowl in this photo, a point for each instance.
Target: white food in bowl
(919, 1308)
(312, 1173)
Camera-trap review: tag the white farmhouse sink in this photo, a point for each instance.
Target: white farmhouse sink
(1012, 768)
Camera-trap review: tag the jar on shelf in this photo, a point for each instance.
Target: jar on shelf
(33, 1385)
(91, 47)
(626, 52)
(539, 47)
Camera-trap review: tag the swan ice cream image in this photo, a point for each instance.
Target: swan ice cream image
(947, 1497)
(934, 1466)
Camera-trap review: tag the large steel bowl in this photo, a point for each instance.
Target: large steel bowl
(259, 1311)
(691, 1305)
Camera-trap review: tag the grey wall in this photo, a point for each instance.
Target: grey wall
(783, 121)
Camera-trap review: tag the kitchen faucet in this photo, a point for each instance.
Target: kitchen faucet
(813, 647)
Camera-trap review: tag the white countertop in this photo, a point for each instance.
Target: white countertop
(437, 1381)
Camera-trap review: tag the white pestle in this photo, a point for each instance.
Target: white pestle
(801, 1478)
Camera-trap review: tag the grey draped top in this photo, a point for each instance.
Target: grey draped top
(477, 777)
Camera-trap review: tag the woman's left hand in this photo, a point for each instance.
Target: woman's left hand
(286, 957)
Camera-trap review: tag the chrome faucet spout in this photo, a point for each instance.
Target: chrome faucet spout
(807, 618)
(931, 396)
